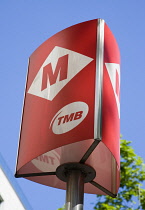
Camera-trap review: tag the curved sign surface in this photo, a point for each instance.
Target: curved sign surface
(72, 101)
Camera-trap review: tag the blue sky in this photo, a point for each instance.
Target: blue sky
(24, 25)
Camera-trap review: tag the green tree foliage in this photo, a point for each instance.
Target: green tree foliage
(131, 195)
(61, 208)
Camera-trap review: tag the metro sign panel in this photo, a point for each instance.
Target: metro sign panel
(72, 98)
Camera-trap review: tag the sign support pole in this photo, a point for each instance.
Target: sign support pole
(75, 175)
(75, 190)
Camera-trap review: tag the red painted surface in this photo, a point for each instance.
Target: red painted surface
(41, 149)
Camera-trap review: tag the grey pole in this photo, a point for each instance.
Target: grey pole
(75, 175)
(75, 190)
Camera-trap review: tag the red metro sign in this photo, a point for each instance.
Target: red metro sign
(72, 108)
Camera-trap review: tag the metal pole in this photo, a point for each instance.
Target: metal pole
(75, 190)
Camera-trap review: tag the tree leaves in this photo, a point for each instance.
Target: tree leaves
(131, 195)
